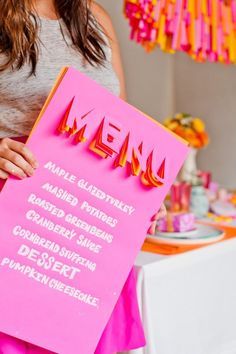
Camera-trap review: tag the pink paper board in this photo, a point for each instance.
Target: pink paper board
(36, 302)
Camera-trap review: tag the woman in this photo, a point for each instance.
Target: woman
(38, 38)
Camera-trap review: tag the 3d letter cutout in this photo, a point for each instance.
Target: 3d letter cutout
(113, 141)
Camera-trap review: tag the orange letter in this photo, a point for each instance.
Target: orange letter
(134, 154)
(75, 121)
(107, 139)
(154, 177)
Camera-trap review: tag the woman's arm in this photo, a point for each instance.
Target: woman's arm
(105, 21)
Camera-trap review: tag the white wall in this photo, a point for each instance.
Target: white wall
(148, 77)
(161, 84)
(209, 91)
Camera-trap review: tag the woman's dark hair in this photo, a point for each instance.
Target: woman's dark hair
(19, 32)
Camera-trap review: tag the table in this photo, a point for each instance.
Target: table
(188, 301)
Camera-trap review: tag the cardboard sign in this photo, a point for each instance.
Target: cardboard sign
(70, 234)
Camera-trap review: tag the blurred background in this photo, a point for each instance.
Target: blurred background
(162, 84)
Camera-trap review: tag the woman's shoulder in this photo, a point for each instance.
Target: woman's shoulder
(102, 17)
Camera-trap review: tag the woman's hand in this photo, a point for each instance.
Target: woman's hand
(161, 214)
(16, 159)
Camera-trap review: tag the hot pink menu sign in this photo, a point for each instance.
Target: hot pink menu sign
(70, 234)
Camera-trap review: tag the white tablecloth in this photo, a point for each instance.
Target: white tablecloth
(188, 301)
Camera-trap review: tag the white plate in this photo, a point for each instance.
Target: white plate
(223, 209)
(177, 234)
(202, 235)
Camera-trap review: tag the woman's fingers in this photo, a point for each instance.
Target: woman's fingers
(16, 159)
(3, 174)
(152, 228)
(160, 214)
(19, 162)
(22, 150)
(8, 167)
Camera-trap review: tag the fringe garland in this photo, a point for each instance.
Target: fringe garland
(204, 29)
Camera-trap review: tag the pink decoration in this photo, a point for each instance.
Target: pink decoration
(180, 197)
(183, 222)
(162, 225)
(205, 177)
(206, 29)
(177, 222)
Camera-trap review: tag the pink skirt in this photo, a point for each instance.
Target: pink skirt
(123, 332)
